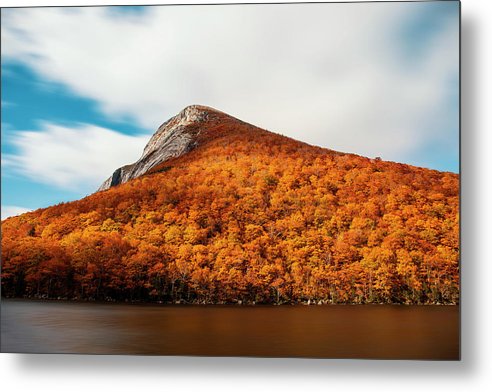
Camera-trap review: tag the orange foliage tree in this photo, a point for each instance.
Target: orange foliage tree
(249, 216)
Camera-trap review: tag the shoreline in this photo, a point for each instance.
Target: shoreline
(226, 304)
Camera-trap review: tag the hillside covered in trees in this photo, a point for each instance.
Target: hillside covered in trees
(247, 216)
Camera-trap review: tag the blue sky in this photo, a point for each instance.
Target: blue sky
(83, 89)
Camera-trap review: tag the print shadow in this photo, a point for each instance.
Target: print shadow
(322, 369)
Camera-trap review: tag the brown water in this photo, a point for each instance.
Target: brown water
(399, 332)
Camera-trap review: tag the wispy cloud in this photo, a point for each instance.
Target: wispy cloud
(76, 158)
(334, 75)
(8, 211)
(6, 104)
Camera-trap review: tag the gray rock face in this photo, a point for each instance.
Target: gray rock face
(174, 138)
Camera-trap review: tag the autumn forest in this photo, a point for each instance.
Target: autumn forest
(247, 217)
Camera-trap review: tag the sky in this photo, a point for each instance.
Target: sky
(83, 89)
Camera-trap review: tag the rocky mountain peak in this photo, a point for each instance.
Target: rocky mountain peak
(177, 136)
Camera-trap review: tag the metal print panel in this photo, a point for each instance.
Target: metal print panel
(276, 180)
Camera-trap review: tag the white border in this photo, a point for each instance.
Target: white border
(129, 373)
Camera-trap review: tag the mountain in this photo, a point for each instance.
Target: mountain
(192, 126)
(219, 211)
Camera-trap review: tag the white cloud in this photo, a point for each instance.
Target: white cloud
(8, 211)
(6, 104)
(79, 158)
(329, 74)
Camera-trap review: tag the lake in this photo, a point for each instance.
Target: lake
(330, 331)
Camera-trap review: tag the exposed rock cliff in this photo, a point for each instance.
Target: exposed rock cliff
(175, 137)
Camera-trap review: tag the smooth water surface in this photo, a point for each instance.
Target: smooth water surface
(366, 331)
